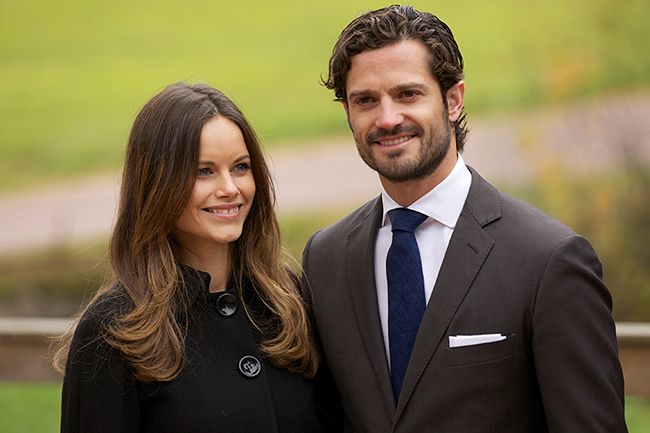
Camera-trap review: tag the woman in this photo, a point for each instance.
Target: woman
(202, 328)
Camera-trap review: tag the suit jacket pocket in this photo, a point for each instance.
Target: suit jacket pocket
(480, 353)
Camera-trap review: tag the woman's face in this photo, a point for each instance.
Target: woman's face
(223, 192)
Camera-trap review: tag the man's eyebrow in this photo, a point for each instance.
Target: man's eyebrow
(409, 86)
(395, 89)
(357, 93)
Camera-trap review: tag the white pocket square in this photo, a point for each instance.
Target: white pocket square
(472, 340)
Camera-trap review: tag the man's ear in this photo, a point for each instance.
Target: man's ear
(347, 113)
(455, 100)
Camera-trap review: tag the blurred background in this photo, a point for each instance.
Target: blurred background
(558, 102)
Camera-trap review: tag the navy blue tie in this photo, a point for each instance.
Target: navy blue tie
(406, 301)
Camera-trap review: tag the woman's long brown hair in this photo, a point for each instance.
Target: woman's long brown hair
(157, 180)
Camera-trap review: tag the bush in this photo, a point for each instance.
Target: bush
(613, 213)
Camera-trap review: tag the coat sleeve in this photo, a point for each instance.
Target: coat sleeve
(98, 394)
(574, 344)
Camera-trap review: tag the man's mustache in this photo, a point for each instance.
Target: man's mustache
(378, 134)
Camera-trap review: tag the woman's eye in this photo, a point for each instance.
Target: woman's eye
(204, 171)
(242, 167)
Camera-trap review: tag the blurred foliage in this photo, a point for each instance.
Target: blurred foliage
(612, 212)
(73, 74)
(56, 281)
(51, 282)
(296, 229)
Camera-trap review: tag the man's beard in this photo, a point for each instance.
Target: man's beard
(433, 149)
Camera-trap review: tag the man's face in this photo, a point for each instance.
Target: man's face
(396, 112)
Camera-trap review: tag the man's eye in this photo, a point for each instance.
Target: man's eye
(409, 94)
(364, 100)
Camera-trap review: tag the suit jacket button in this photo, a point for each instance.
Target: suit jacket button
(226, 304)
(249, 366)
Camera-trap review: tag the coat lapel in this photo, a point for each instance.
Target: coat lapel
(468, 248)
(360, 265)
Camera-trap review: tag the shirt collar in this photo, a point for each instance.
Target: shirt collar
(444, 202)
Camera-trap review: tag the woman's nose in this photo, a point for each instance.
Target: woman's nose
(226, 186)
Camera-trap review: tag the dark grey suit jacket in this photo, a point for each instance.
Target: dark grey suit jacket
(508, 269)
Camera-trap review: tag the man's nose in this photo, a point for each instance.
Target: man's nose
(389, 116)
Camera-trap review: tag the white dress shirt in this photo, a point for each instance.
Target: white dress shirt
(442, 206)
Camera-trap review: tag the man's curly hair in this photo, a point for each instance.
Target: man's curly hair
(392, 24)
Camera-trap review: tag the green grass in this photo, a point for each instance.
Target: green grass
(637, 414)
(73, 74)
(30, 407)
(35, 408)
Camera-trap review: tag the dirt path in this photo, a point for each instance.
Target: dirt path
(585, 137)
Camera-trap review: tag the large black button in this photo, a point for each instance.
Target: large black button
(227, 304)
(249, 366)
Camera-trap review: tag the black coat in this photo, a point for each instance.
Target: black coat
(213, 392)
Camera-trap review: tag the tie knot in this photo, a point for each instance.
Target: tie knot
(405, 220)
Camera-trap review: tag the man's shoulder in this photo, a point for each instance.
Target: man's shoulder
(528, 232)
(490, 205)
(520, 214)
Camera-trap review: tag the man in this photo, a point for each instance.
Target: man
(470, 311)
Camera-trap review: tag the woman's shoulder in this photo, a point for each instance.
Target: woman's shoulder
(93, 365)
(98, 316)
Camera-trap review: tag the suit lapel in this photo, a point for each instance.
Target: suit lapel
(360, 265)
(468, 248)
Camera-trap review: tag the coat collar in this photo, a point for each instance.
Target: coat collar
(197, 283)
(360, 271)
